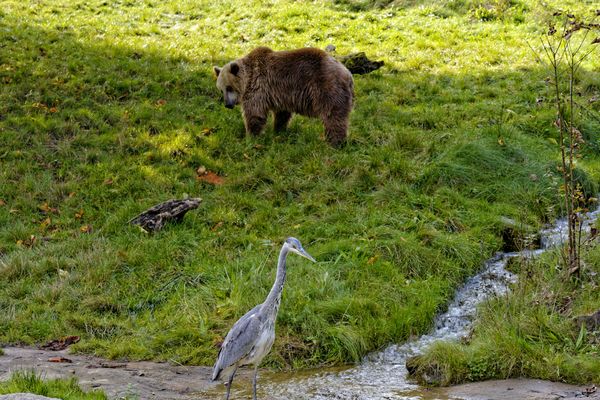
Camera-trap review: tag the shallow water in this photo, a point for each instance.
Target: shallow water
(383, 375)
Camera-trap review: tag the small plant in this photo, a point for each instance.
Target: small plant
(566, 46)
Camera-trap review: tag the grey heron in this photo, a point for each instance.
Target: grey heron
(251, 337)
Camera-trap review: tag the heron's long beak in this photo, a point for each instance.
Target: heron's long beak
(303, 253)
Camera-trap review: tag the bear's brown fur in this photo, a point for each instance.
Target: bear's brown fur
(305, 81)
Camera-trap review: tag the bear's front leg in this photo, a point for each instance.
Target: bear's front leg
(254, 120)
(281, 120)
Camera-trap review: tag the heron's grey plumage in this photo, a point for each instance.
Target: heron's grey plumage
(251, 337)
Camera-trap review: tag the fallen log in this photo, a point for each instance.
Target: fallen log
(155, 218)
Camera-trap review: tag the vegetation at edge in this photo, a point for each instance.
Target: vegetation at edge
(108, 108)
(66, 389)
(530, 332)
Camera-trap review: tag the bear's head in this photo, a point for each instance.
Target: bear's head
(230, 83)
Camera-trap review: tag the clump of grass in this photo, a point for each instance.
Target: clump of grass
(30, 382)
(530, 332)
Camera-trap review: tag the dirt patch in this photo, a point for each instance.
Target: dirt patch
(147, 380)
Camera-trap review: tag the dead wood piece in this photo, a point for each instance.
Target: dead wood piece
(60, 344)
(358, 63)
(155, 218)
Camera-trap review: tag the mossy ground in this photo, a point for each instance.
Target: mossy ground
(107, 108)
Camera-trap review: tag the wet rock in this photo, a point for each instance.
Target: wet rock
(510, 389)
(517, 236)
(25, 396)
(412, 365)
(591, 322)
(428, 374)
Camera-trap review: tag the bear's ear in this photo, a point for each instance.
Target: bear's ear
(217, 70)
(234, 68)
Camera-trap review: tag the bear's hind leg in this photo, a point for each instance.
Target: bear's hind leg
(281, 120)
(336, 129)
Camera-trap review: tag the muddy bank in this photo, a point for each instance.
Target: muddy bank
(147, 380)
(163, 381)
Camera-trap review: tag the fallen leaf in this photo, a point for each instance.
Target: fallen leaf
(201, 170)
(372, 260)
(207, 131)
(46, 222)
(59, 360)
(217, 226)
(161, 103)
(27, 242)
(45, 208)
(501, 141)
(72, 194)
(79, 214)
(53, 109)
(210, 177)
(2, 203)
(108, 181)
(85, 229)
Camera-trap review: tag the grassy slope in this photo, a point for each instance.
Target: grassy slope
(106, 110)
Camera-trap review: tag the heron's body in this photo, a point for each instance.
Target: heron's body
(251, 337)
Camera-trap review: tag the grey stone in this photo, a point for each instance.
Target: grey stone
(25, 396)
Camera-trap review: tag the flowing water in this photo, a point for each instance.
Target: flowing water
(383, 375)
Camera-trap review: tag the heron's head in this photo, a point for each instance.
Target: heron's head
(295, 246)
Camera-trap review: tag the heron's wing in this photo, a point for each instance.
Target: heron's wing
(239, 341)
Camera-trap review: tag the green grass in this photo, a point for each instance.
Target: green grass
(65, 389)
(107, 109)
(531, 332)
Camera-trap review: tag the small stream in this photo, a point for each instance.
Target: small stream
(383, 375)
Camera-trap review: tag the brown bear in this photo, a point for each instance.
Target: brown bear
(305, 81)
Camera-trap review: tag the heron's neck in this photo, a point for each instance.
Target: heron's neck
(274, 297)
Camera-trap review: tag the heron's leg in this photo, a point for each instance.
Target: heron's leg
(254, 382)
(229, 383)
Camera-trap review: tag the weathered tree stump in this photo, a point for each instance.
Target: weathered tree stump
(156, 217)
(357, 63)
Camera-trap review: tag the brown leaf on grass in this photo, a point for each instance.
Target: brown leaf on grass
(59, 360)
(27, 242)
(85, 229)
(160, 103)
(60, 344)
(217, 226)
(372, 260)
(203, 175)
(2, 203)
(211, 177)
(79, 214)
(108, 181)
(46, 222)
(45, 208)
(207, 131)
(53, 110)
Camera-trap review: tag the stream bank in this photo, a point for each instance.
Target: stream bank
(163, 381)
